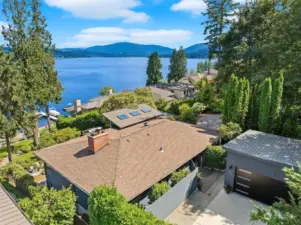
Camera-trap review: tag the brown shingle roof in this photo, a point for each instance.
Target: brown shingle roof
(10, 213)
(132, 160)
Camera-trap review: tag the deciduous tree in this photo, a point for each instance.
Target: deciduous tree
(50, 207)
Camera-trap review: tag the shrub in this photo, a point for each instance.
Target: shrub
(3, 155)
(158, 190)
(215, 157)
(23, 146)
(176, 177)
(161, 104)
(82, 122)
(183, 107)
(229, 131)
(171, 118)
(49, 206)
(174, 107)
(58, 136)
(216, 106)
(65, 121)
(107, 207)
(198, 108)
(187, 115)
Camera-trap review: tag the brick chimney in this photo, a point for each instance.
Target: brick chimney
(97, 142)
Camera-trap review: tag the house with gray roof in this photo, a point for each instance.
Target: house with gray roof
(10, 213)
(255, 161)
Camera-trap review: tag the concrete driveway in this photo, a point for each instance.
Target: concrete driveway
(214, 207)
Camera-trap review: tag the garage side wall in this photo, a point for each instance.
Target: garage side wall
(253, 165)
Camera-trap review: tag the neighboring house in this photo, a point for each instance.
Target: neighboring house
(93, 103)
(255, 161)
(161, 93)
(10, 213)
(133, 159)
(180, 90)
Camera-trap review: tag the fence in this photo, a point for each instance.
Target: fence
(166, 204)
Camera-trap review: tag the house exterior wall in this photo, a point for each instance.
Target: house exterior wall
(57, 181)
(167, 203)
(248, 163)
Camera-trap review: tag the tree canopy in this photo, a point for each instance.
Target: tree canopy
(178, 65)
(154, 66)
(106, 90)
(50, 207)
(108, 207)
(283, 212)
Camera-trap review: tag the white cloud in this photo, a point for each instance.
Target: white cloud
(109, 35)
(196, 7)
(102, 9)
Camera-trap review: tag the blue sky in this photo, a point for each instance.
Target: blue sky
(84, 23)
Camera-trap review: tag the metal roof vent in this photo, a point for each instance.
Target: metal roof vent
(161, 149)
(146, 124)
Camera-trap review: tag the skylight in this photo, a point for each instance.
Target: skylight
(146, 110)
(122, 116)
(135, 113)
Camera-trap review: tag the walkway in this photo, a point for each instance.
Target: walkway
(215, 207)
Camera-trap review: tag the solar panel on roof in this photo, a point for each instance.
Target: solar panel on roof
(146, 110)
(135, 113)
(122, 117)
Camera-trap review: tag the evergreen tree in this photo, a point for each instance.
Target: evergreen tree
(177, 67)
(265, 105)
(238, 102)
(154, 66)
(172, 66)
(218, 14)
(31, 43)
(12, 103)
(181, 64)
(246, 101)
(230, 99)
(276, 99)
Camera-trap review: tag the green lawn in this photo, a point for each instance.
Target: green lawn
(23, 157)
(13, 190)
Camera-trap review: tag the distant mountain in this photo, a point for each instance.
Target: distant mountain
(126, 49)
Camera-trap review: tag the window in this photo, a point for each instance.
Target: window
(146, 110)
(122, 116)
(135, 113)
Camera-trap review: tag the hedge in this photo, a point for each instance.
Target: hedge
(215, 157)
(158, 190)
(58, 136)
(108, 207)
(176, 177)
(82, 122)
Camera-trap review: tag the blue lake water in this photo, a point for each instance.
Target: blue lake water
(82, 78)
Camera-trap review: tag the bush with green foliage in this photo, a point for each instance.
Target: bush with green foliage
(229, 131)
(106, 90)
(24, 146)
(174, 107)
(177, 176)
(158, 190)
(215, 157)
(283, 212)
(171, 118)
(108, 207)
(198, 108)
(183, 107)
(49, 206)
(58, 136)
(187, 115)
(216, 106)
(82, 122)
(161, 104)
